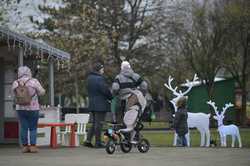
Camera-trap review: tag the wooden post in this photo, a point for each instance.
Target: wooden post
(20, 63)
(20, 57)
(51, 84)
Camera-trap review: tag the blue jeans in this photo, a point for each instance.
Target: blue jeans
(28, 121)
(181, 140)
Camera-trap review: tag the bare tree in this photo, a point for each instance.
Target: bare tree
(74, 28)
(237, 58)
(201, 41)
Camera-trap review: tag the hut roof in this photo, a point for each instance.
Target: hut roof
(42, 48)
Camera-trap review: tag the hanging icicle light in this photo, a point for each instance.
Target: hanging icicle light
(19, 45)
(36, 50)
(8, 41)
(48, 58)
(62, 64)
(30, 50)
(68, 62)
(25, 49)
(58, 64)
(43, 60)
(14, 44)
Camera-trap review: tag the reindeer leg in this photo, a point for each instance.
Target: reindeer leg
(207, 136)
(225, 140)
(221, 140)
(188, 139)
(239, 139)
(233, 141)
(202, 133)
(175, 139)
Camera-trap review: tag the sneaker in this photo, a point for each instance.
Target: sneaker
(25, 149)
(33, 149)
(88, 144)
(133, 142)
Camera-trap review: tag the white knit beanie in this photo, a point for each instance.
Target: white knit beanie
(125, 65)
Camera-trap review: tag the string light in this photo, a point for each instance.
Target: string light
(26, 45)
(8, 42)
(58, 64)
(14, 44)
(25, 49)
(30, 50)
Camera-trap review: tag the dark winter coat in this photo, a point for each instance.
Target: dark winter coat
(98, 93)
(180, 121)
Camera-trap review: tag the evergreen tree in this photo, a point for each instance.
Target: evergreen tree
(74, 29)
(102, 29)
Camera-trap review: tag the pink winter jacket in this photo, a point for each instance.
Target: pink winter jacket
(34, 86)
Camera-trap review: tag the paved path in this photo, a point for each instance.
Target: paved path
(157, 156)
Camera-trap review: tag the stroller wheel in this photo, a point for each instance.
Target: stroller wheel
(143, 145)
(126, 146)
(110, 147)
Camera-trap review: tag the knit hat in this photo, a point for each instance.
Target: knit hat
(98, 66)
(182, 101)
(125, 65)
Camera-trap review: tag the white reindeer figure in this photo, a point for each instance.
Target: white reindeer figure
(195, 120)
(225, 130)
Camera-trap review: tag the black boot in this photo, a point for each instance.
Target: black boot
(88, 144)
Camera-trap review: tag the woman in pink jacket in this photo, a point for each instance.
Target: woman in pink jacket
(28, 113)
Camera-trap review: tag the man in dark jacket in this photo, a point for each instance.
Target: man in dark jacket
(180, 120)
(99, 96)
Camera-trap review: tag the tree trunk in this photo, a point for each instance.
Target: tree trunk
(244, 82)
(77, 95)
(243, 116)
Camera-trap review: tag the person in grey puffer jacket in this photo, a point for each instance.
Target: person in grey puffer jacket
(125, 82)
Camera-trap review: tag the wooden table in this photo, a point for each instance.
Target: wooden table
(53, 135)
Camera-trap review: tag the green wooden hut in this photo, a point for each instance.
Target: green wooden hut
(224, 92)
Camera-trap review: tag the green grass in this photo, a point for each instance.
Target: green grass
(248, 110)
(153, 125)
(165, 138)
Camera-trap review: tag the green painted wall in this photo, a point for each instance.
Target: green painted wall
(224, 93)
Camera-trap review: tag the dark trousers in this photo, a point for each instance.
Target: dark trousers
(28, 121)
(96, 129)
(181, 140)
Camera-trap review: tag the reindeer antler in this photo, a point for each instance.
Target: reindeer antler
(226, 107)
(180, 93)
(214, 107)
(190, 85)
(170, 79)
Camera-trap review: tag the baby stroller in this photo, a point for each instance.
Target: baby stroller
(130, 136)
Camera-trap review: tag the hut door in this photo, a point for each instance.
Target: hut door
(11, 128)
(1, 101)
(9, 132)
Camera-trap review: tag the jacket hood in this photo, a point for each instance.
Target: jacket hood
(24, 71)
(127, 71)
